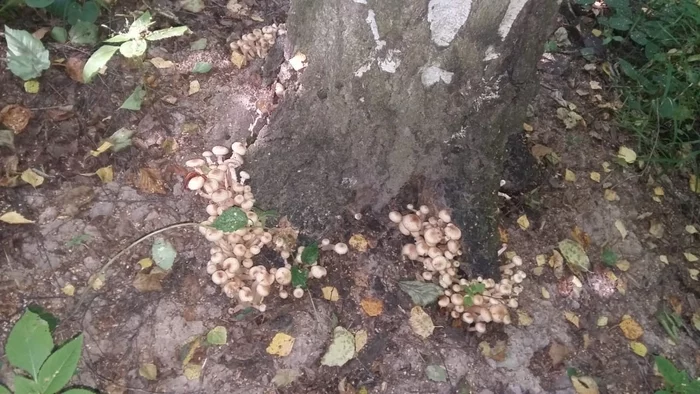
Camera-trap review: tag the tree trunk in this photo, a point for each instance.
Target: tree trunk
(402, 98)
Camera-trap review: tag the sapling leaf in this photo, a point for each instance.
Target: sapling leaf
(26, 386)
(468, 300)
(263, 216)
(310, 254)
(59, 34)
(436, 373)
(299, 277)
(58, 369)
(667, 370)
(133, 102)
(140, 25)
(98, 60)
(201, 68)
(421, 293)
(29, 343)
(26, 55)
(217, 336)
(45, 315)
(163, 253)
(78, 391)
(230, 220)
(133, 48)
(89, 12)
(608, 257)
(4, 390)
(38, 3)
(167, 33)
(83, 33)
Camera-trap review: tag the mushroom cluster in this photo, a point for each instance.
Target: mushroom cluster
(218, 179)
(436, 244)
(258, 43)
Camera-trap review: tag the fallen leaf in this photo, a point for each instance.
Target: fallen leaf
(656, 229)
(106, 174)
(238, 59)
(7, 138)
(676, 305)
(421, 293)
(436, 373)
(341, 349)
(638, 348)
(148, 371)
(15, 117)
(198, 45)
(169, 99)
(623, 265)
(298, 61)
(524, 318)
(528, 127)
(586, 341)
(41, 32)
(570, 117)
(690, 229)
(558, 353)
(192, 5)
(194, 88)
(627, 154)
(589, 67)
(150, 181)
(61, 113)
(696, 320)
(545, 293)
(606, 167)
(602, 321)
(149, 280)
(595, 176)
(584, 385)
(330, 293)
(572, 318)
(621, 228)
(201, 68)
(630, 328)
(690, 257)
(135, 99)
(101, 149)
(163, 253)
(611, 195)
(569, 176)
(74, 68)
(659, 191)
(358, 242)
(97, 281)
(32, 177)
(693, 273)
(145, 263)
(14, 218)
(360, 340)
(541, 260)
(31, 87)
(621, 287)
(538, 271)
(68, 290)
(575, 256)
(694, 184)
(581, 237)
(281, 345)
(663, 259)
(503, 234)
(192, 371)
(540, 151)
(161, 63)
(421, 323)
(285, 377)
(523, 222)
(217, 336)
(372, 306)
(497, 353)
(595, 85)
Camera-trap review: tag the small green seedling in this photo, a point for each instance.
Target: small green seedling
(472, 290)
(45, 368)
(675, 381)
(133, 44)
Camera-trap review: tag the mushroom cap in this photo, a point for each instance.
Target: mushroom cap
(444, 301)
(453, 246)
(247, 263)
(244, 175)
(480, 327)
(410, 251)
(517, 260)
(216, 174)
(395, 217)
(217, 258)
(423, 209)
(196, 182)
(403, 229)
(194, 163)
(444, 215)
(318, 272)
(262, 289)
(422, 248)
(238, 148)
(411, 222)
(220, 195)
(498, 312)
(239, 250)
(434, 252)
(468, 317)
(258, 272)
(298, 292)
(219, 277)
(440, 264)
(213, 235)
(283, 294)
(340, 248)
(283, 276)
(457, 299)
(211, 268)
(452, 232)
(427, 275)
(248, 204)
(211, 185)
(231, 265)
(245, 294)
(212, 210)
(219, 150)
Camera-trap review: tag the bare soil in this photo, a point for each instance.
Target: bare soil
(81, 223)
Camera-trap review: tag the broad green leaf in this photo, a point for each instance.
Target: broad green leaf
(98, 60)
(133, 102)
(59, 34)
(299, 277)
(4, 390)
(421, 293)
(83, 33)
(163, 253)
(201, 68)
(38, 3)
(199, 45)
(667, 369)
(90, 12)
(608, 257)
(475, 288)
(60, 366)
(310, 254)
(26, 55)
(26, 386)
(436, 373)
(619, 23)
(119, 38)
(29, 343)
(140, 25)
(341, 350)
(73, 12)
(217, 336)
(133, 48)
(574, 254)
(44, 315)
(120, 139)
(230, 220)
(78, 391)
(167, 33)
(7, 138)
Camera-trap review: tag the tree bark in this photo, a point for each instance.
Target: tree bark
(411, 97)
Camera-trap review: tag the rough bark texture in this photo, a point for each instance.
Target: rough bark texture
(390, 99)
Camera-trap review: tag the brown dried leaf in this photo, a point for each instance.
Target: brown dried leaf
(15, 117)
(572, 318)
(581, 237)
(630, 328)
(149, 280)
(74, 68)
(372, 306)
(149, 180)
(40, 33)
(421, 323)
(540, 151)
(61, 113)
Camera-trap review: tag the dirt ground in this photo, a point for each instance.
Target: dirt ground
(81, 223)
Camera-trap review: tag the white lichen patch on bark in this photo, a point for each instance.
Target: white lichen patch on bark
(514, 8)
(391, 61)
(372, 22)
(446, 17)
(433, 74)
(363, 69)
(491, 54)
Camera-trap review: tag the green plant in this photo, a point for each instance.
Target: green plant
(46, 369)
(675, 381)
(72, 11)
(133, 44)
(26, 55)
(472, 290)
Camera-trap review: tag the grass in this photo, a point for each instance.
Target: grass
(656, 47)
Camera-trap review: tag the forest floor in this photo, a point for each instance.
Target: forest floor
(80, 222)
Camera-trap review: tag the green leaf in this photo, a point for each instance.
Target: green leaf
(436, 373)
(133, 102)
(89, 12)
(639, 37)
(310, 254)
(59, 34)
(230, 220)
(140, 25)
(201, 68)
(571, 372)
(38, 3)
(167, 33)
(26, 386)
(60, 366)
(44, 315)
(72, 12)
(163, 253)
(133, 48)
(574, 254)
(78, 391)
(667, 370)
(299, 277)
(98, 60)
(475, 288)
(217, 336)
(608, 257)
(199, 45)
(119, 38)
(4, 390)
(468, 300)
(263, 216)
(29, 343)
(7, 138)
(421, 293)
(26, 55)
(120, 139)
(83, 33)
(619, 23)
(341, 349)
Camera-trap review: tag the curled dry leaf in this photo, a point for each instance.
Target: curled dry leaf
(569, 176)
(528, 127)
(32, 177)
(630, 328)
(627, 154)
(690, 229)
(14, 218)
(148, 371)
(523, 222)
(194, 88)
(372, 306)
(621, 228)
(572, 318)
(15, 117)
(74, 68)
(638, 348)
(149, 280)
(421, 323)
(149, 180)
(68, 290)
(106, 174)
(545, 293)
(611, 195)
(690, 257)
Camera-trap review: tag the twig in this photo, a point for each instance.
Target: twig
(318, 320)
(103, 270)
(9, 264)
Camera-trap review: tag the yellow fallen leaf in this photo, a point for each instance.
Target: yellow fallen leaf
(68, 290)
(627, 154)
(602, 321)
(690, 229)
(159, 62)
(596, 32)
(656, 229)
(194, 87)
(586, 341)
(106, 174)
(145, 262)
(606, 167)
(97, 281)
(584, 385)
(541, 260)
(595, 176)
(192, 371)
(148, 371)
(623, 265)
(595, 85)
(360, 340)
(32, 177)
(694, 184)
(693, 273)
(14, 218)
(621, 228)
(538, 271)
(281, 345)
(372, 306)
(545, 293)
(638, 348)
(510, 254)
(31, 86)
(421, 323)
(656, 198)
(524, 319)
(659, 191)
(572, 318)
(523, 222)
(610, 195)
(528, 127)
(358, 242)
(238, 59)
(621, 287)
(630, 328)
(663, 259)
(101, 149)
(690, 257)
(569, 176)
(330, 293)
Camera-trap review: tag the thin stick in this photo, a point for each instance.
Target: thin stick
(103, 270)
